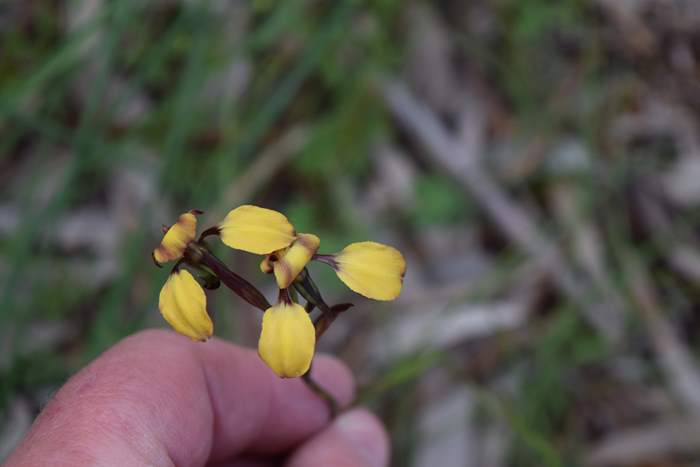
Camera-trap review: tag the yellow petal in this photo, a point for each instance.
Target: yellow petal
(256, 230)
(371, 269)
(291, 261)
(287, 340)
(176, 239)
(184, 306)
(266, 264)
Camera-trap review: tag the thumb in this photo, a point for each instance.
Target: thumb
(355, 439)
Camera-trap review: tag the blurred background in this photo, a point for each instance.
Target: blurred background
(537, 161)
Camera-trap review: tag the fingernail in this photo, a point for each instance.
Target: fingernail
(366, 435)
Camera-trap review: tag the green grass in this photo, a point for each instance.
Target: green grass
(65, 144)
(168, 54)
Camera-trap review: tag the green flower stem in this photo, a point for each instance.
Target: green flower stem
(327, 397)
(210, 280)
(305, 285)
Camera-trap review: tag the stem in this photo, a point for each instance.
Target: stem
(211, 280)
(314, 300)
(210, 231)
(307, 288)
(283, 296)
(328, 259)
(324, 321)
(233, 281)
(316, 388)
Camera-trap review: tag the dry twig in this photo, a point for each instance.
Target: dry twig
(459, 162)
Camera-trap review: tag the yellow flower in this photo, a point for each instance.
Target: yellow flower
(256, 230)
(287, 340)
(288, 336)
(267, 232)
(184, 306)
(182, 301)
(371, 269)
(368, 268)
(177, 237)
(289, 262)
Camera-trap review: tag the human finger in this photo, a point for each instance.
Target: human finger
(355, 439)
(157, 398)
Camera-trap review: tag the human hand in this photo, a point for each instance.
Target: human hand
(158, 399)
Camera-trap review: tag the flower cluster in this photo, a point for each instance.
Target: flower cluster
(288, 336)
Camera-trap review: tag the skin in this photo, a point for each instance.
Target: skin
(158, 399)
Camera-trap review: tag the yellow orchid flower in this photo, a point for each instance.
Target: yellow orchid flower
(368, 268)
(184, 306)
(288, 335)
(267, 232)
(176, 238)
(287, 339)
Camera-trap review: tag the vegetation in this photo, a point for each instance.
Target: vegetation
(535, 160)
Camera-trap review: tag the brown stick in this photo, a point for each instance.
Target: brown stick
(233, 281)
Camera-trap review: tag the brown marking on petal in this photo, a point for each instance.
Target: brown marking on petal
(305, 241)
(162, 250)
(164, 228)
(327, 259)
(153, 257)
(196, 212)
(266, 266)
(286, 271)
(283, 296)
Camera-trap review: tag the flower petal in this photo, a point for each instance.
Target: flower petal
(371, 269)
(287, 340)
(266, 264)
(184, 306)
(175, 240)
(256, 230)
(291, 261)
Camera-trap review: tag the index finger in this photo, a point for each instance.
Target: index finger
(160, 399)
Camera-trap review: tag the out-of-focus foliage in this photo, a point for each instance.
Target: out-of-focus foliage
(536, 160)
